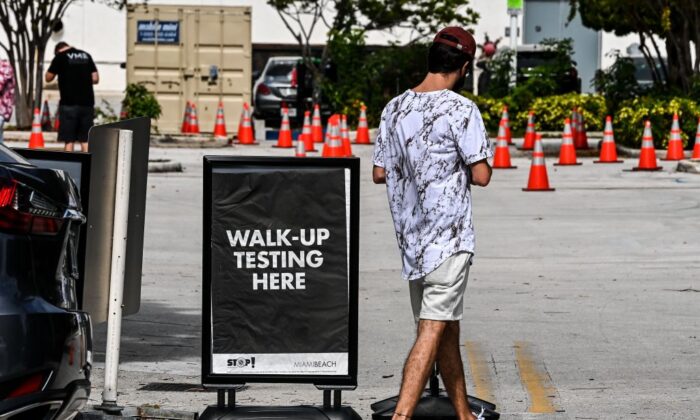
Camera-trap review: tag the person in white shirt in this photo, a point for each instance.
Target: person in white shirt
(431, 146)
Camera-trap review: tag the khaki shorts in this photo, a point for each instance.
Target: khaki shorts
(439, 296)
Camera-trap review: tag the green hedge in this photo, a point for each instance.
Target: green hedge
(629, 120)
(551, 111)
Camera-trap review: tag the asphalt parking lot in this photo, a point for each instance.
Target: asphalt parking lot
(582, 303)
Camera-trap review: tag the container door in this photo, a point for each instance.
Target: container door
(218, 50)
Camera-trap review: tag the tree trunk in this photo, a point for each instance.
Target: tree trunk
(38, 91)
(678, 51)
(650, 60)
(23, 114)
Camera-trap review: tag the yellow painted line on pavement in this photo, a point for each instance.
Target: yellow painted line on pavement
(536, 382)
(481, 373)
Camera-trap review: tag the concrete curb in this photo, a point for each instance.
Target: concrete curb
(14, 135)
(164, 165)
(178, 141)
(691, 166)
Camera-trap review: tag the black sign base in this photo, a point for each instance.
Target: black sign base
(433, 407)
(305, 412)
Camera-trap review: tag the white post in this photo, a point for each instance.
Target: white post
(116, 288)
(514, 46)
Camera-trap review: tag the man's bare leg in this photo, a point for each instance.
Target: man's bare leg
(418, 367)
(68, 147)
(452, 370)
(83, 146)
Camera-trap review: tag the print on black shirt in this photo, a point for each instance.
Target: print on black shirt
(74, 69)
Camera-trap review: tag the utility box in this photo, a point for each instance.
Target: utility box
(193, 53)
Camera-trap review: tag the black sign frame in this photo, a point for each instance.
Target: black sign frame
(213, 380)
(84, 160)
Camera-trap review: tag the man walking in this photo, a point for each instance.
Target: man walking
(76, 74)
(431, 146)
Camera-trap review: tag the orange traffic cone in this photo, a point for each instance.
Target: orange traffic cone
(333, 146)
(306, 133)
(56, 121)
(185, 128)
(284, 137)
(529, 140)
(316, 126)
(574, 123)
(608, 149)
(538, 180)
(36, 139)
(696, 148)
(245, 128)
(362, 136)
(506, 124)
(675, 143)
(647, 157)
(194, 121)
(220, 125)
(581, 138)
(345, 136)
(567, 152)
(46, 117)
(501, 159)
(301, 148)
(240, 119)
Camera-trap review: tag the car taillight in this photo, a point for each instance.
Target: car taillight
(293, 77)
(28, 386)
(24, 211)
(263, 89)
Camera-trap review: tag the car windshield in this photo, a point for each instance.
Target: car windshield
(531, 60)
(9, 156)
(642, 70)
(279, 72)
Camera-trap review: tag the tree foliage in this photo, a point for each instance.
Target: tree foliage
(28, 25)
(139, 102)
(371, 75)
(675, 22)
(618, 82)
(343, 18)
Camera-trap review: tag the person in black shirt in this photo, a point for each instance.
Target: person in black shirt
(76, 74)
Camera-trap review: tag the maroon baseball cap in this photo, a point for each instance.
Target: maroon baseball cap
(465, 40)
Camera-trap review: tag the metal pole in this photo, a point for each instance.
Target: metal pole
(116, 288)
(514, 47)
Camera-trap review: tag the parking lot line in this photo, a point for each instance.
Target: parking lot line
(536, 380)
(480, 372)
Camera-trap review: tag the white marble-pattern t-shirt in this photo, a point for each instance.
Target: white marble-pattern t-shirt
(425, 143)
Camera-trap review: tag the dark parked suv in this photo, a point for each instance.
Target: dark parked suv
(45, 341)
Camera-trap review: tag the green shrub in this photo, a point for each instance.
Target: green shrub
(617, 83)
(500, 67)
(370, 75)
(629, 120)
(139, 102)
(551, 111)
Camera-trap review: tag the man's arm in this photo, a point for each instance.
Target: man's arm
(49, 77)
(480, 173)
(378, 175)
(95, 78)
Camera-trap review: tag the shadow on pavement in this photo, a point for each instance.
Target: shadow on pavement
(156, 333)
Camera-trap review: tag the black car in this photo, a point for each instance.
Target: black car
(45, 341)
(530, 58)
